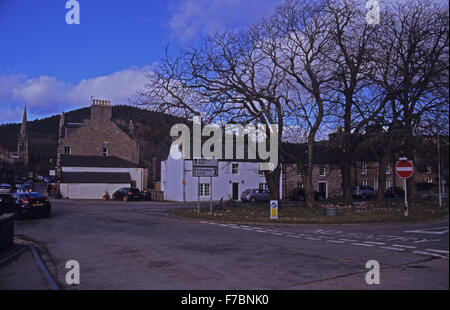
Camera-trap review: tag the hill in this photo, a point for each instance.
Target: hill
(151, 129)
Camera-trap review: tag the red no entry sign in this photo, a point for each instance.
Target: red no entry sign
(404, 169)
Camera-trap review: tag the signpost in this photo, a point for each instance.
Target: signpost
(404, 169)
(205, 168)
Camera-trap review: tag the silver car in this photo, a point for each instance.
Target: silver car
(255, 195)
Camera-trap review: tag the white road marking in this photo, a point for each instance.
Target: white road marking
(430, 254)
(276, 234)
(261, 231)
(430, 231)
(404, 246)
(348, 240)
(362, 244)
(438, 251)
(392, 248)
(293, 236)
(376, 243)
(335, 241)
(310, 238)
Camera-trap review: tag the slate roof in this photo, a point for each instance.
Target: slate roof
(323, 154)
(96, 161)
(96, 177)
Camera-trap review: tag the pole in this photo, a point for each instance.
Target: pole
(198, 195)
(406, 197)
(439, 172)
(210, 194)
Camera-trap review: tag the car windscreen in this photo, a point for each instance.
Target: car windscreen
(35, 195)
(4, 187)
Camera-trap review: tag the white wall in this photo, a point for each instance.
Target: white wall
(173, 174)
(89, 191)
(136, 174)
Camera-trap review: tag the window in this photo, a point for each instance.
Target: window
(203, 189)
(388, 169)
(299, 185)
(263, 187)
(388, 184)
(363, 168)
(429, 169)
(234, 168)
(299, 171)
(322, 171)
(430, 181)
(364, 183)
(375, 184)
(105, 151)
(67, 150)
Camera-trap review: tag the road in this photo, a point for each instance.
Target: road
(138, 245)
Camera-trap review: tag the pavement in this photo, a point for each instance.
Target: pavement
(138, 245)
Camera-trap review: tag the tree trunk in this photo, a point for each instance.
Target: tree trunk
(273, 182)
(309, 188)
(382, 178)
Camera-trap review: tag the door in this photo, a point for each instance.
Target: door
(235, 191)
(323, 189)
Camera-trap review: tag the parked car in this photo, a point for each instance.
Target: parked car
(364, 192)
(394, 192)
(6, 188)
(299, 195)
(28, 204)
(7, 204)
(23, 188)
(127, 194)
(254, 195)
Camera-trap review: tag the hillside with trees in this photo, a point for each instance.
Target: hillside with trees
(151, 129)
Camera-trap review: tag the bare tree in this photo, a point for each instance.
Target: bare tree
(412, 64)
(297, 39)
(227, 78)
(356, 102)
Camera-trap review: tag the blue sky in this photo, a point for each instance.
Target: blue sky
(51, 66)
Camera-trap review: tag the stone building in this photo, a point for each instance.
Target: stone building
(99, 136)
(97, 156)
(327, 177)
(327, 173)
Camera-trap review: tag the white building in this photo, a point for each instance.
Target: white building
(178, 184)
(90, 177)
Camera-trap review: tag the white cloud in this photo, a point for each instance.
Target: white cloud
(192, 17)
(46, 95)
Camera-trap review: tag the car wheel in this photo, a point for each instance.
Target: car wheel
(46, 213)
(253, 199)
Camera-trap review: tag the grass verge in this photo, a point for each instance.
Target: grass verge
(298, 214)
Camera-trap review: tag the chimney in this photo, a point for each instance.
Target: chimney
(101, 110)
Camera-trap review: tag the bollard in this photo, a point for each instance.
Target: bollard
(7, 231)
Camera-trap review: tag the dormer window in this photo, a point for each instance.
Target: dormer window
(105, 151)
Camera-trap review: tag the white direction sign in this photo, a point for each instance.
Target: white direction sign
(205, 172)
(205, 163)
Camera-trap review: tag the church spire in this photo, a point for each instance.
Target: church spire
(22, 145)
